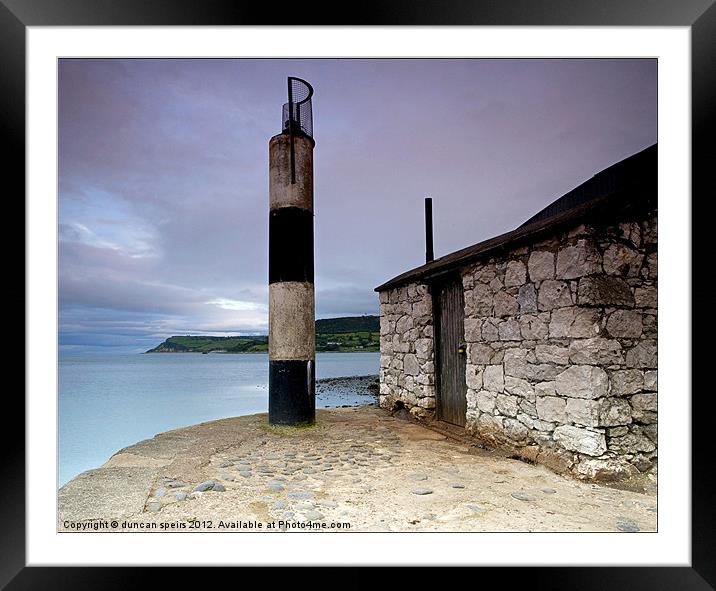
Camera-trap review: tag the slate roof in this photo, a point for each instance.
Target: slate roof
(630, 184)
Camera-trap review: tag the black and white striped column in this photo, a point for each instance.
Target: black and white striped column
(292, 332)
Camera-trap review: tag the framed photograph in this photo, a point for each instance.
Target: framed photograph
(387, 289)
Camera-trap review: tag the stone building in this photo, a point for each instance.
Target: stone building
(541, 341)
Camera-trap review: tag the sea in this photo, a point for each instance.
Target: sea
(110, 401)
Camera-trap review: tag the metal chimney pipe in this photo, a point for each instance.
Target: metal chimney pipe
(429, 255)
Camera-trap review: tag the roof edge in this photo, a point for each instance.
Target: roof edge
(642, 196)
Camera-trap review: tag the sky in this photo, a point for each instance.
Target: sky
(163, 176)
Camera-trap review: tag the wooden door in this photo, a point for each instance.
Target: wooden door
(451, 352)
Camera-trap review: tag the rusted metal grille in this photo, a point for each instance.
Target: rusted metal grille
(297, 115)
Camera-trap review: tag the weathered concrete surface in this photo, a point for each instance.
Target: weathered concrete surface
(292, 321)
(357, 465)
(107, 493)
(281, 192)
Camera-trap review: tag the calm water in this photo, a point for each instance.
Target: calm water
(110, 401)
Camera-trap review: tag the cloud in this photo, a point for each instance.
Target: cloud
(164, 175)
(239, 305)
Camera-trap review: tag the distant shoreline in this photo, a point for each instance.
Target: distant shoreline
(343, 335)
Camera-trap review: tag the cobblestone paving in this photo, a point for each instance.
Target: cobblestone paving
(358, 466)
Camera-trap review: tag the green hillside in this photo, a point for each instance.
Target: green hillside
(201, 344)
(352, 333)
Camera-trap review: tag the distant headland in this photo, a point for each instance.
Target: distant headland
(347, 334)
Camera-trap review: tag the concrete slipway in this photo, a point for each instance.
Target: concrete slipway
(358, 466)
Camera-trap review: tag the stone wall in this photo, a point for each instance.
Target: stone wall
(407, 370)
(562, 349)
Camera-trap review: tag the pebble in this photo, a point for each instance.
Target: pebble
(523, 496)
(275, 486)
(627, 525)
(159, 492)
(422, 491)
(300, 495)
(549, 491)
(245, 473)
(457, 485)
(154, 506)
(418, 476)
(476, 509)
(175, 483)
(304, 506)
(195, 495)
(308, 470)
(279, 505)
(314, 516)
(224, 464)
(328, 504)
(179, 495)
(288, 514)
(208, 485)
(228, 478)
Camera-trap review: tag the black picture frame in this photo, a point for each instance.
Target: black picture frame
(699, 15)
